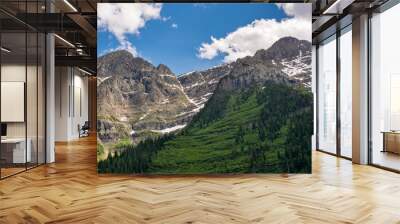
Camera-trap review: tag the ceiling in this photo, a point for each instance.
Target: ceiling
(332, 15)
(75, 21)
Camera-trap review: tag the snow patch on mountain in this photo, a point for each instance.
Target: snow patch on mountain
(194, 85)
(143, 116)
(296, 66)
(171, 129)
(165, 101)
(167, 75)
(213, 81)
(187, 73)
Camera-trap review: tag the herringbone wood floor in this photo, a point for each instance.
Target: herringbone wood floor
(70, 191)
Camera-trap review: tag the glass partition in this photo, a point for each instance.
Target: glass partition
(385, 89)
(41, 97)
(13, 94)
(327, 95)
(22, 77)
(346, 92)
(31, 98)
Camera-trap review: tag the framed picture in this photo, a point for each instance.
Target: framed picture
(204, 88)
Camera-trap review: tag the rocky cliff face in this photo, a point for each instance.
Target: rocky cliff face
(135, 96)
(287, 61)
(200, 85)
(292, 56)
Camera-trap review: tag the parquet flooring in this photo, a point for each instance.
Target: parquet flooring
(70, 191)
(11, 170)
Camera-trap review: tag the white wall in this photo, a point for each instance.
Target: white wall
(33, 126)
(62, 81)
(10, 73)
(17, 73)
(70, 83)
(80, 88)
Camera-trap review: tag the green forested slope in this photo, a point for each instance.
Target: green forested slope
(263, 129)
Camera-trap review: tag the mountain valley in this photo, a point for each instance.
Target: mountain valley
(138, 100)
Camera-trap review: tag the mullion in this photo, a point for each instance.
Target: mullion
(26, 86)
(37, 91)
(369, 91)
(317, 96)
(0, 92)
(338, 98)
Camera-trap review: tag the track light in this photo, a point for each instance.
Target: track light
(64, 40)
(5, 50)
(337, 7)
(70, 5)
(84, 71)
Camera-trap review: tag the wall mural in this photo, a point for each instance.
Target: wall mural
(204, 88)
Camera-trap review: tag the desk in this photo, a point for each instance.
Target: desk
(391, 141)
(13, 150)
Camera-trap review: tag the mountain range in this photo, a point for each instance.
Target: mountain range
(137, 99)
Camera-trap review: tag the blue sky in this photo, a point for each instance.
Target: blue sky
(175, 33)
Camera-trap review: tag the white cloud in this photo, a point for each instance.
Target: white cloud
(260, 34)
(164, 19)
(174, 25)
(122, 19)
(297, 10)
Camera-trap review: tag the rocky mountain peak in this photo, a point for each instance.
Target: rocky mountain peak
(119, 53)
(122, 63)
(288, 60)
(286, 47)
(164, 69)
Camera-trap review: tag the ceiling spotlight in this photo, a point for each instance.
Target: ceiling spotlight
(84, 71)
(337, 7)
(5, 50)
(65, 41)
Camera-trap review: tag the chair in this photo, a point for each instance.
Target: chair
(84, 130)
